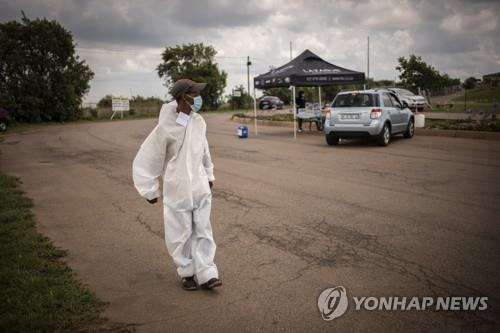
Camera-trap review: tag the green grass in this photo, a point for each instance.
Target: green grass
(38, 292)
(481, 95)
(460, 107)
(463, 125)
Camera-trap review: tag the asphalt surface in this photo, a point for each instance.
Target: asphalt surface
(291, 218)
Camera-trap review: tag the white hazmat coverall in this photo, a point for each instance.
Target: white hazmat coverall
(180, 155)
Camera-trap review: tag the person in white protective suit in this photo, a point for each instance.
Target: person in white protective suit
(177, 151)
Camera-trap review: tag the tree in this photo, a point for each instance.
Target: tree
(41, 77)
(195, 62)
(284, 94)
(417, 73)
(470, 83)
(142, 101)
(447, 81)
(105, 102)
(310, 93)
(380, 83)
(242, 101)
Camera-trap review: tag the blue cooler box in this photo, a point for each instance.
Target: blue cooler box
(242, 132)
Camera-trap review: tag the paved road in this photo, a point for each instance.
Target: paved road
(291, 218)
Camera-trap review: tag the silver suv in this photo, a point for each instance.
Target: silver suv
(368, 113)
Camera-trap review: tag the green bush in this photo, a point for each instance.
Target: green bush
(42, 78)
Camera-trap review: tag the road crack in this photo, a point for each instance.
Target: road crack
(148, 227)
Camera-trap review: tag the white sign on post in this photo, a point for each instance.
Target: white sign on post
(119, 104)
(237, 93)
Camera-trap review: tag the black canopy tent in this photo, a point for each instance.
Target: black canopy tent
(307, 70)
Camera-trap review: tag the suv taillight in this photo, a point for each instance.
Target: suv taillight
(376, 113)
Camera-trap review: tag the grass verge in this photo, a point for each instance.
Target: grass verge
(481, 94)
(464, 125)
(460, 107)
(39, 292)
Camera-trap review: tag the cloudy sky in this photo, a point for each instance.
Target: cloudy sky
(123, 40)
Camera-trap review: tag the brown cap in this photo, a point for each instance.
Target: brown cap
(186, 86)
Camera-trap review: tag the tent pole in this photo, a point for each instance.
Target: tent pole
(319, 94)
(294, 114)
(293, 97)
(254, 112)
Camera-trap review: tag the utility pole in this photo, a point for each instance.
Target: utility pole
(293, 96)
(465, 99)
(249, 63)
(292, 103)
(368, 64)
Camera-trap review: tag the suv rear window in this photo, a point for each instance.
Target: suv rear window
(355, 100)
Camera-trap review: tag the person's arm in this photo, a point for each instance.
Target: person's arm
(148, 164)
(207, 163)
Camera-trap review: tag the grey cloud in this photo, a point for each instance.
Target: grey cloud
(432, 39)
(120, 23)
(217, 13)
(157, 23)
(264, 28)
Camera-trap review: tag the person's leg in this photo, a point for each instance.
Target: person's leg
(178, 231)
(300, 123)
(203, 246)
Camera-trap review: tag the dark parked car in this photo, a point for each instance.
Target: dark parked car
(270, 102)
(4, 119)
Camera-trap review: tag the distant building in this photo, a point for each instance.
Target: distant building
(492, 79)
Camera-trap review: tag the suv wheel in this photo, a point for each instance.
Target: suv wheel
(331, 140)
(3, 126)
(385, 136)
(410, 129)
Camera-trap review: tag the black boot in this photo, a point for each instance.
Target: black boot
(188, 283)
(212, 283)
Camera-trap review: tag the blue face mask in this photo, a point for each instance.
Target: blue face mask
(198, 102)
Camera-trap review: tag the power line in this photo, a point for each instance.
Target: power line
(111, 51)
(229, 57)
(142, 51)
